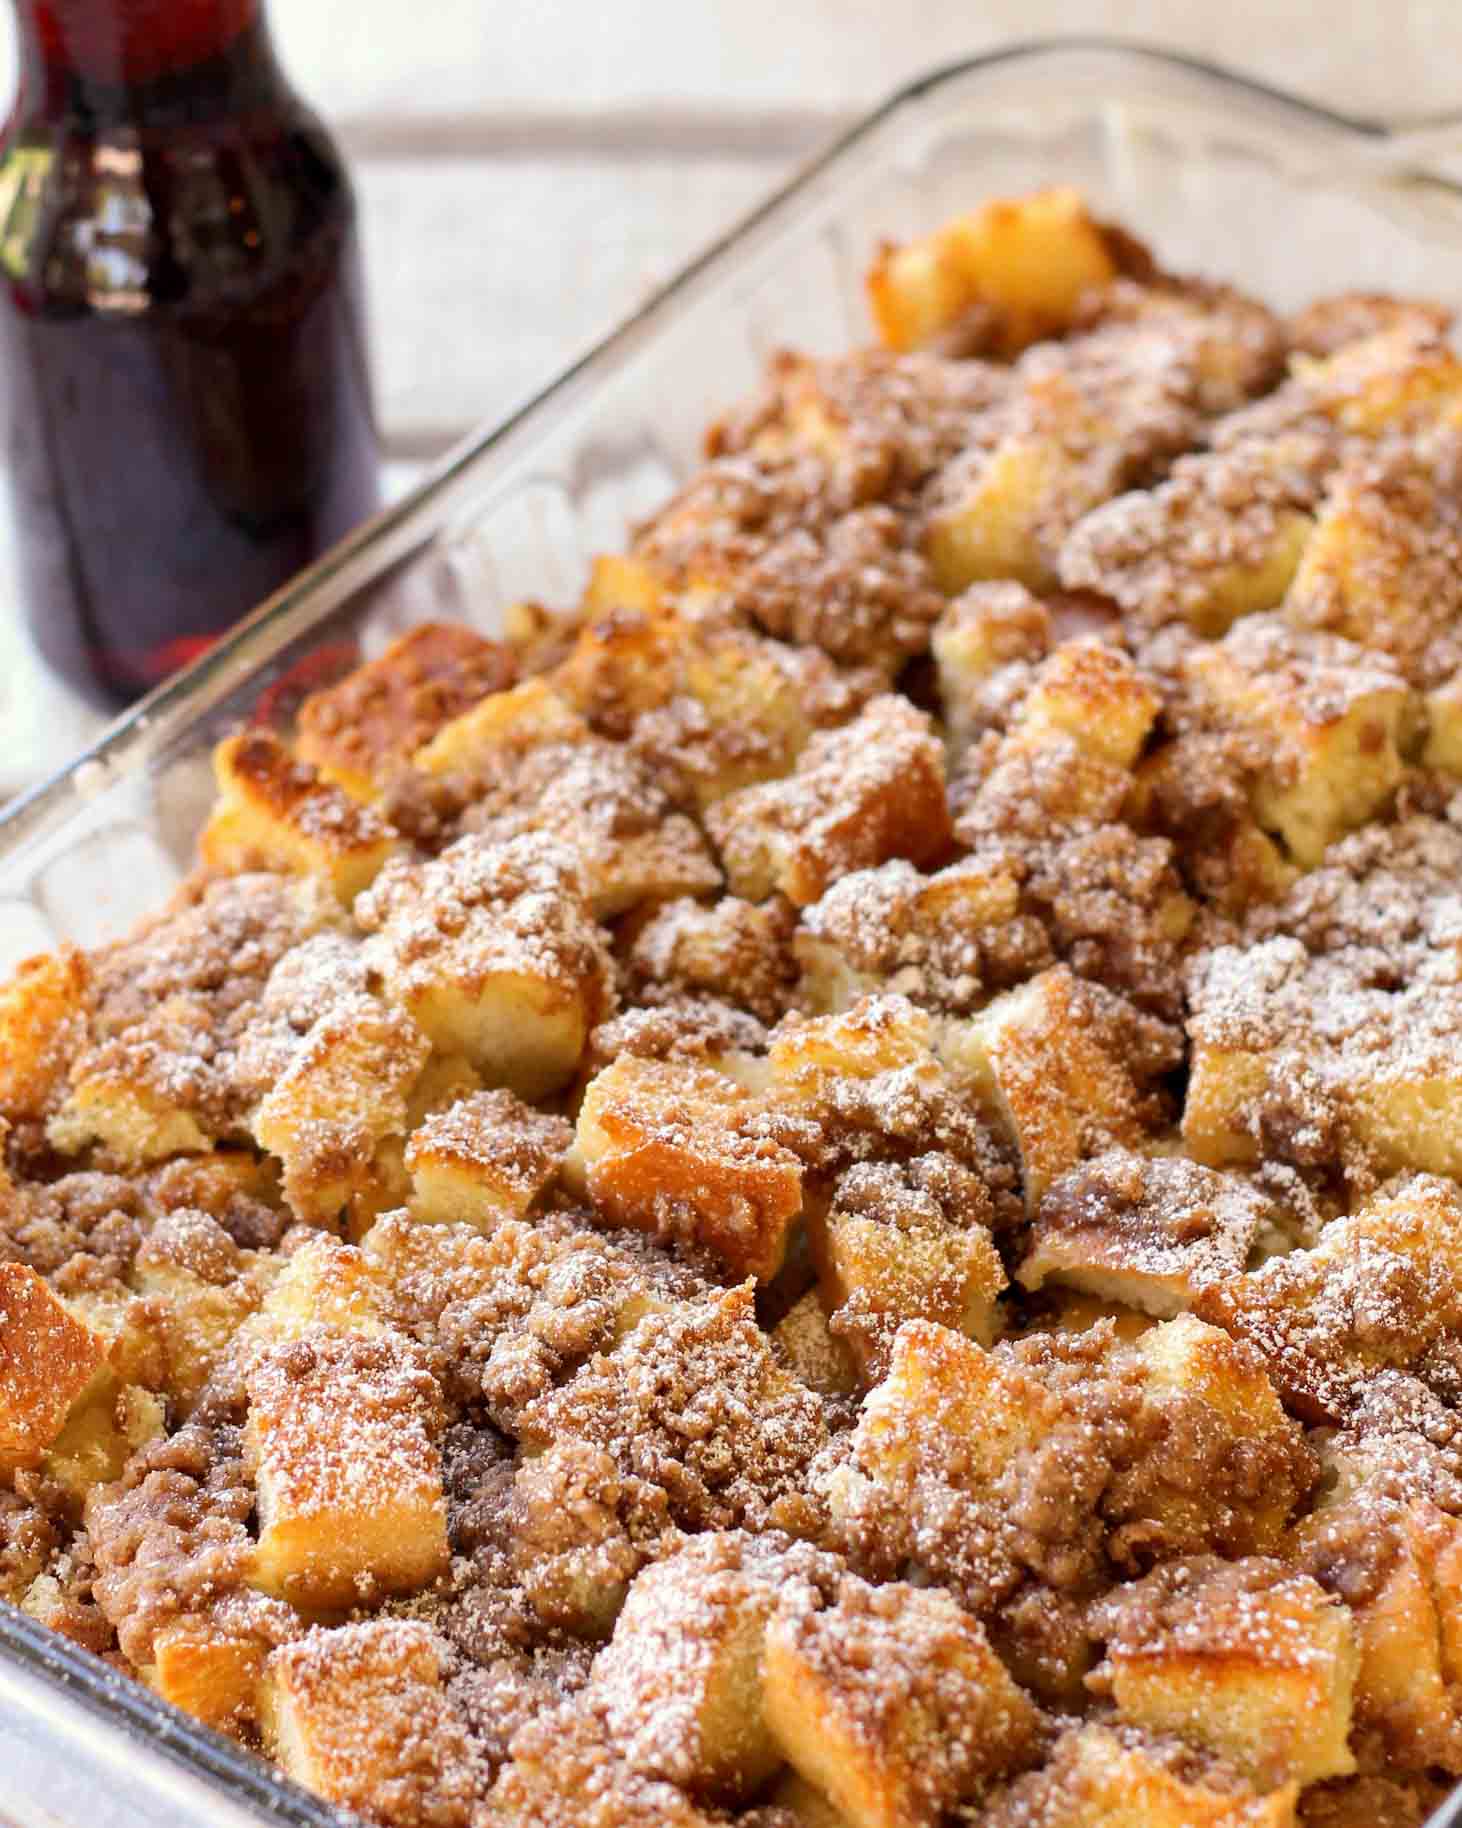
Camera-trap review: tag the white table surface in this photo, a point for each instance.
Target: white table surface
(528, 172)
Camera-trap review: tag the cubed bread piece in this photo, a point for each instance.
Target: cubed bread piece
(1381, 566)
(105, 1427)
(501, 725)
(1085, 419)
(277, 813)
(1214, 1392)
(617, 581)
(342, 1094)
(1104, 1777)
(604, 805)
(341, 1438)
(47, 1360)
(984, 646)
(804, 1343)
(133, 1120)
(622, 663)
(679, 1684)
(1003, 276)
(1246, 1659)
(744, 710)
(358, 1716)
(208, 1672)
(1444, 726)
(323, 1284)
(1221, 538)
(872, 790)
(934, 939)
(1146, 1231)
(906, 1242)
(1092, 693)
(891, 1701)
(866, 1083)
(202, 1288)
(1037, 1058)
(1328, 718)
(944, 1390)
(42, 1026)
(1403, 374)
(673, 1149)
(1395, 1565)
(492, 949)
(1380, 1288)
(484, 1158)
(363, 731)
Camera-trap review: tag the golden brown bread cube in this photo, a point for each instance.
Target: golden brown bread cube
(672, 1148)
(942, 1394)
(277, 813)
(1146, 1231)
(679, 1685)
(358, 1716)
(891, 1701)
(1221, 538)
(1085, 419)
(502, 725)
(1396, 1567)
(42, 1025)
(1403, 374)
(322, 1283)
(1378, 1290)
(1200, 1376)
(1003, 276)
(1104, 1777)
(361, 732)
(872, 790)
(48, 1358)
(1380, 566)
(484, 1158)
(604, 804)
(1247, 1659)
(906, 1242)
(934, 939)
(342, 1094)
(208, 1672)
(108, 1423)
(1037, 1058)
(984, 646)
(202, 1288)
(341, 1438)
(492, 949)
(1092, 693)
(1329, 720)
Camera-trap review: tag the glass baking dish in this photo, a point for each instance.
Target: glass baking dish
(1224, 177)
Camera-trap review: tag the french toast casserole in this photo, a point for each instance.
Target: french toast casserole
(824, 1193)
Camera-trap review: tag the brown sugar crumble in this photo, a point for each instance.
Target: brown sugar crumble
(827, 1194)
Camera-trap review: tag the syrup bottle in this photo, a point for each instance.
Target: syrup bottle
(181, 342)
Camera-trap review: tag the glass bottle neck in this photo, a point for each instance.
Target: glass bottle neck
(108, 62)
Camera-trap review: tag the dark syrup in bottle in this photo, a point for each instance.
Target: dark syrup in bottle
(181, 332)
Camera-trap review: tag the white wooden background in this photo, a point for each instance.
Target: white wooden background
(527, 171)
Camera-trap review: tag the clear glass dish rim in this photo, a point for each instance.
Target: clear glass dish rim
(120, 1700)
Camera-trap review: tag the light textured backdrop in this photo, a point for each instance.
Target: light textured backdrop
(528, 171)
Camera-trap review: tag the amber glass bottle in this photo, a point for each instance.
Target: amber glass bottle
(181, 342)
